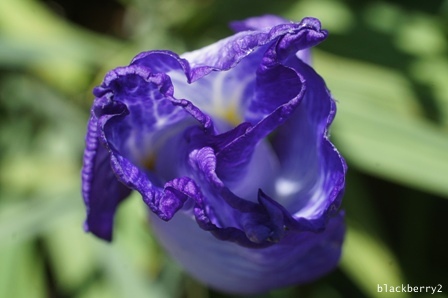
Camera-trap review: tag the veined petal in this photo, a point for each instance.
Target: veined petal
(271, 90)
(149, 111)
(215, 90)
(227, 53)
(260, 22)
(132, 116)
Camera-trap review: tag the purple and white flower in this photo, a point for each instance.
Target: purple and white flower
(229, 148)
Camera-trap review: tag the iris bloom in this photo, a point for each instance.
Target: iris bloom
(228, 147)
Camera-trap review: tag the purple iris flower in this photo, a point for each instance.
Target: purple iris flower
(229, 148)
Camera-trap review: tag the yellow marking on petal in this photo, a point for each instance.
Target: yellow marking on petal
(229, 113)
(232, 116)
(149, 162)
(226, 99)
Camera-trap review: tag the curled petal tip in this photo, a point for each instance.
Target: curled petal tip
(311, 23)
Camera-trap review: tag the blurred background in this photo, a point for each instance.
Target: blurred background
(386, 63)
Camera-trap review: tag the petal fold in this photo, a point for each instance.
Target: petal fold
(101, 190)
(312, 177)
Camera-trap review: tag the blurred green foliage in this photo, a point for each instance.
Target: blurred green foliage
(386, 63)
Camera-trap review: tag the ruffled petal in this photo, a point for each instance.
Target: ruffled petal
(132, 116)
(227, 53)
(275, 93)
(271, 91)
(149, 111)
(217, 91)
(260, 22)
(241, 217)
(101, 190)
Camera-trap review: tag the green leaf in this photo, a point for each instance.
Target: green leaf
(34, 38)
(27, 219)
(369, 263)
(125, 276)
(21, 271)
(71, 251)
